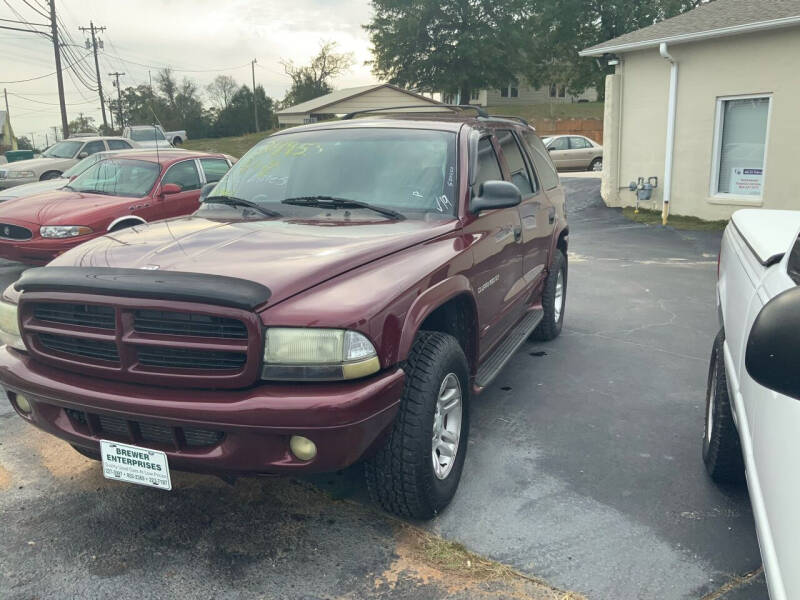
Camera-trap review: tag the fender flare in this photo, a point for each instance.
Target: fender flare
(117, 221)
(426, 303)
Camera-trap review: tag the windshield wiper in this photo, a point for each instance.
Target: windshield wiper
(333, 202)
(234, 201)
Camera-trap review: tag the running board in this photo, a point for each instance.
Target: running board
(492, 366)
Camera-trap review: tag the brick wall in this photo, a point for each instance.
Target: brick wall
(591, 128)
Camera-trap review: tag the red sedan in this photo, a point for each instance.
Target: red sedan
(119, 192)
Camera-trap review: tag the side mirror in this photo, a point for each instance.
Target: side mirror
(773, 348)
(496, 194)
(83, 154)
(550, 149)
(170, 188)
(205, 192)
(72, 178)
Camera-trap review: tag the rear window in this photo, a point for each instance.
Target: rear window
(516, 163)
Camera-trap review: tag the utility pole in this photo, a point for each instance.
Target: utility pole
(93, 29)
(110, 113)
(255, 105)
(55, 134)
(120, 120)
(59, 78)
(5, 93)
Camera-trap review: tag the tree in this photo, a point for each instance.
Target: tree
(562, 28)
(167, 84)
(237, 117)
(82, 125)
(23, 143)
(313, 80)
(221, 90)
(449, 45)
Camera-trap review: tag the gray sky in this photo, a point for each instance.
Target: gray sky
(198, 35)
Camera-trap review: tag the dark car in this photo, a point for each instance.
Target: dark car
(340, 296)
(133, 188)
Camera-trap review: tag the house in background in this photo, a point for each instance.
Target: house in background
(707, 102)
(522, 94)
(7, 139)
(366, 97)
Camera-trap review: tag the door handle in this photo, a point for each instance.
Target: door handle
(551, 215)
(517, 233)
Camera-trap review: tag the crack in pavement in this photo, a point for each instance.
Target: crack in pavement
(736, 582)
(640, 345)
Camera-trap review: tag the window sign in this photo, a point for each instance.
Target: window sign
(741, 136)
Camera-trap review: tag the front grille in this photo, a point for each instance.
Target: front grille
(188, 324)
(138, 432)
(14, 232)
(182, 358)
(2, 174)
(84, 315)
(84, 347)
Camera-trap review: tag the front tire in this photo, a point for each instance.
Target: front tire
(416, 473)
(554, 300)
(596, 164)
(722, 451)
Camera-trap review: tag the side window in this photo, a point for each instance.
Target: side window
(561, 143)
(118, 145)
(93, 147)
(214, 168)
(541, 160)
(793, 266)
(578, 143)
(488, 165)
(184, 174)
(516, 163)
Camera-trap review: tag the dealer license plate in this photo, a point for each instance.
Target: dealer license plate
(133, 464)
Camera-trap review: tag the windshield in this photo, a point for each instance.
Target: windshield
(80, 167)
(64, 149)
(148, 134)
(406, 170)
(118, 177)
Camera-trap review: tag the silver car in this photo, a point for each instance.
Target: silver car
(58, 158)
(575, 152)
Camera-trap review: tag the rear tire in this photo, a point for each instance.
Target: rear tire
(722, 451)
(416, 473)
(50, 175)
(596, 165)
(554, 300)
(177, 141)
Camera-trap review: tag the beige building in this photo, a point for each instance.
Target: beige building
(707, 102)
(367, 97)
(515, 93)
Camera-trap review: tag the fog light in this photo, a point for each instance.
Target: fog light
(22, 404)
(303, 448)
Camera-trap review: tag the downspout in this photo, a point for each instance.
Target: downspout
(671, 109)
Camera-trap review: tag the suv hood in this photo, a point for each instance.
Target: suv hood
(288, 256)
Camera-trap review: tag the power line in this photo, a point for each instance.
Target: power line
(21, 97)
(93, 31)
(81, 59)
(179, 70)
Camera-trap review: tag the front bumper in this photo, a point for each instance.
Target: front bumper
(345, 420)
(9, 183)
(38, 251)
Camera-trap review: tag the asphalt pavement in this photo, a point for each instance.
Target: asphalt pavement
(583, 472)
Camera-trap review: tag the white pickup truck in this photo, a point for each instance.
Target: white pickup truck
(753, 398)
(150, 136)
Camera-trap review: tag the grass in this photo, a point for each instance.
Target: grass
(567, 110)
(235, 146)
(653, 217)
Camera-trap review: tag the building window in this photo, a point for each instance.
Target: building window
(558, 91)
(553, 90)
(475, 95)
(740, 143)
(509, 92)
(562, 91)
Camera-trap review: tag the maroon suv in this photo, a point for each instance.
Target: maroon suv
(339, 296)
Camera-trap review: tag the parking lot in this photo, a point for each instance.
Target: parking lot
(584, 470)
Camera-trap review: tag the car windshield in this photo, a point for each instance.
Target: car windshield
(409, 171)
(146, 134)
(118, 177)
(66, 149)
(80, 167)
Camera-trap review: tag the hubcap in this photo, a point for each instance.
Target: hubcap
(598, 166)
(446, 426)
(559, 301)
(712, 391)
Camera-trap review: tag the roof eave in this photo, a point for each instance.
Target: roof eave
(693, 37)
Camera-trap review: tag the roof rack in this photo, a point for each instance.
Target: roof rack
(511, 118)
(462, 107)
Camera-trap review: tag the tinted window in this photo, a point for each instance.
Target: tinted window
(578, 143)
(516, 163)
(214, 168)
(561, 143)
(541, 160)
(184, 174)
(118, 145)
(62, 150)
(412, 171)
(93, 147)
(488, 165)
(117, 177)
(146, 135)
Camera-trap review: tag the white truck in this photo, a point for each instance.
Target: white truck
(753, 398)
(150, 136)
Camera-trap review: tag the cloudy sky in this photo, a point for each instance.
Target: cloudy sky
(197, 38)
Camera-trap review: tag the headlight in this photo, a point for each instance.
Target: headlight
(294, 353)
(20, 174)
(9, 326)
(63, 231)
